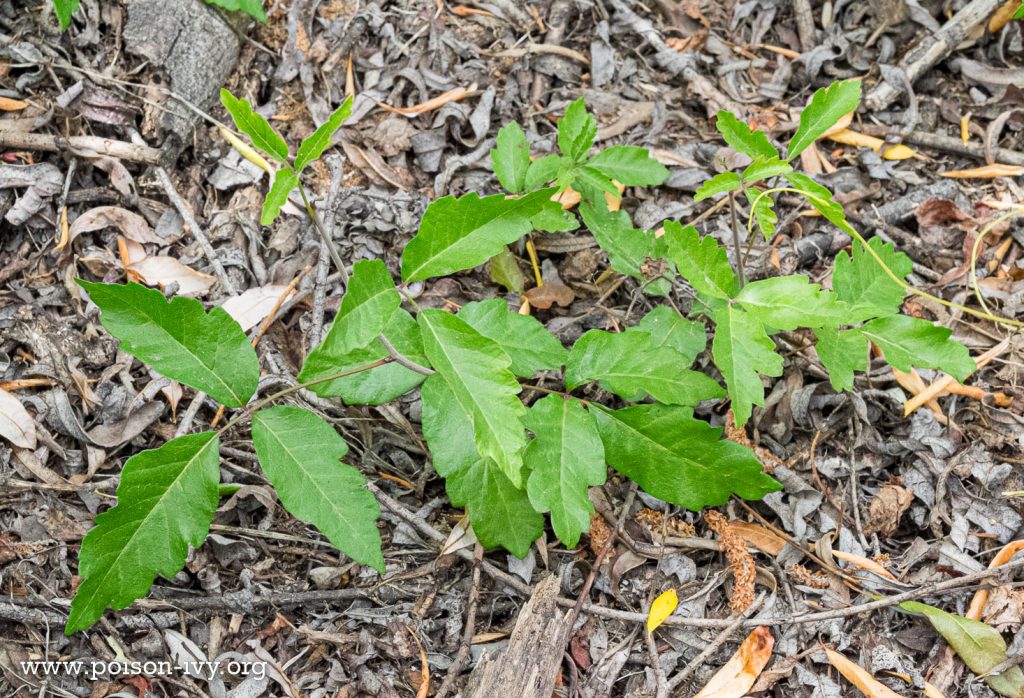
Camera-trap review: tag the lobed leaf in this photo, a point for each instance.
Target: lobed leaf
(627, 365)
(255, 126)
(701, 261)
(866, 288)
(165, 503)
(629, 164)
(375, 386)
(317, 142)
(820, 198)
(827, 106)
(842, 352)
(477, 373)
(510, 158)
(208, 352)
(721, 183)
(285, 180)
(542, 171)
(565, 458)
(789, 302)
(628, 249)
(370, 301)
(763, 169)
(576, 131)
(500, 512)
(667, 328)
(679, 459)
(526, 341)
(301, 455)
(753, 144)
(742, 350)
(909, 342)
(457, 234)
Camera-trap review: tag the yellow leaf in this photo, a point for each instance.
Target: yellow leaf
(896, 152)
(859, 677)
(986, 172)
(661, 608)
(247, 151)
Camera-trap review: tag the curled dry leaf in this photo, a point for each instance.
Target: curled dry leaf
(132, 225)
(552, 291)
(253, 306)
(859, 677)
(162, 271)
(887, 508)
(986, 172)
(860, 140)
(16, 424)
(977, 607)
(737, 676)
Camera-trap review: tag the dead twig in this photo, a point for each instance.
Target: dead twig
(84, 146)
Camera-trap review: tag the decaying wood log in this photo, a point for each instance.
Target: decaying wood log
(528, 665)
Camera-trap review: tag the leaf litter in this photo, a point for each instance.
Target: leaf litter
(922, 500)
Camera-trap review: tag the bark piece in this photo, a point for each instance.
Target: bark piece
(528, 665)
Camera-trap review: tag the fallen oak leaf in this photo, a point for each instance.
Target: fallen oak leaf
(737, 676)
(758, 536)
(162, 271)
(132, 225)
(251, 307)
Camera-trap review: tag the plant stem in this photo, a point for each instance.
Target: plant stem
(395, 355)
(259, 404)
(737, 250)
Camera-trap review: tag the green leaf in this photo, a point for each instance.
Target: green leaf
(448, 429)
(553, 219)
(253, 8)
(980, 646)
(565, 458)
(526, 341)
(667, 328)
(701, 261)
(457, 234)
(1019, 14)
(208, 352)
(318, 141)
(301, 455)
(631, 165)
(909, 342)
(505, 270)
(628, 365)
(628, 249)
(64, 9)
(789, 302)
(820, 198)
(754, 144)
(764, 211)
(542, 171)
(763, 169)
(285, 180)
(255, 126)
(576, 131)
(679, 459)
(592, 186)
(373, 387)
(165, 503)
(859, 281)
(511, 158)
(369, 303)
(477, 372)
(827, 106)
(719, 184)
(500, 512)
(842, 352)
(742, 350)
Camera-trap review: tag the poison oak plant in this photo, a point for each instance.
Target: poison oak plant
(254, 8)
(507, 463)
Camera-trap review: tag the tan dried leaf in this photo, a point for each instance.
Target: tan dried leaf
(887, 508)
